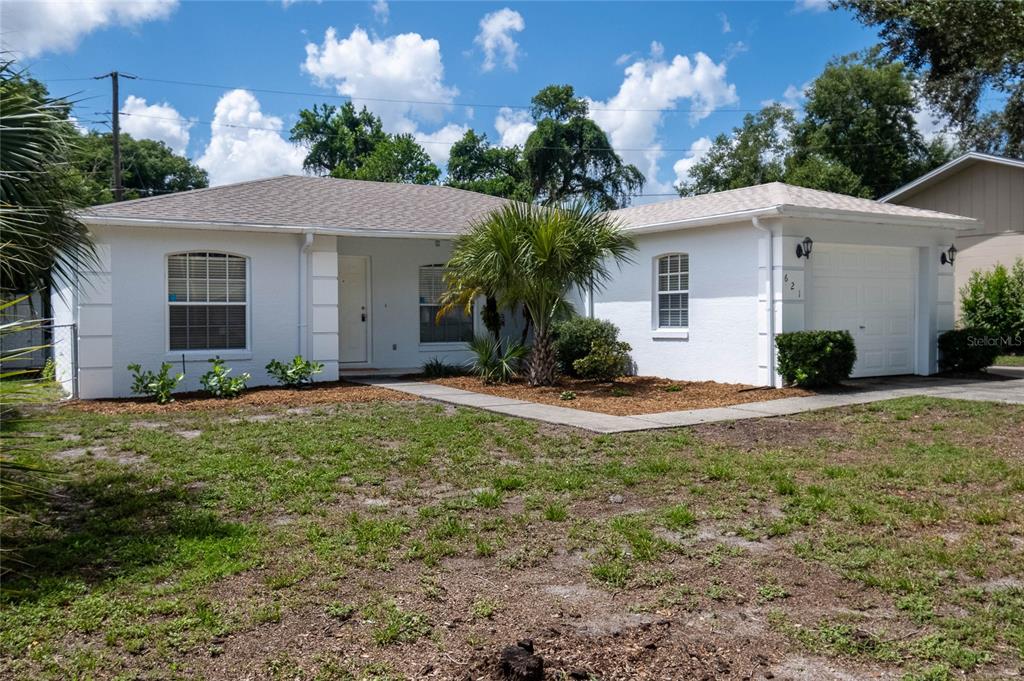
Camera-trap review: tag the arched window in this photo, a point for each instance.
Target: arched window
(673, 291)
(207, 297)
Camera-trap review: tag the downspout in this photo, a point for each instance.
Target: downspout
(771, 298)
(304, 292)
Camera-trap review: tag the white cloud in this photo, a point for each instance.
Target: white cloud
(31, 28)
(246, 144)
(931, 123)
(495, 37)
(402, 67)
(811, 5)
(160, 122)
(698, 150)
(514, 126)
(792, 98)
(439, 143)
(633, 117)
(726, 26)
(382, 11)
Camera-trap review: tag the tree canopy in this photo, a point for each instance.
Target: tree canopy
(858, 136)
(568, 156)
(966, 52)
(475, 164)
(344, 142)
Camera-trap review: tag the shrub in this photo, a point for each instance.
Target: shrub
(49, 371)
(576, 336)
(299, 372)
(219, 383)
(158, 385)
(815, 358)
(966, 350)
(993, 302)
(438, 368)
(495, 361)
(605, 361)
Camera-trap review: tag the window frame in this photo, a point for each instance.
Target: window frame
(436, 345)
(656, 293)
(207, 353)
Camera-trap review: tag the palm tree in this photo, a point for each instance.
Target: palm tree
(40, 238)
(534, 255)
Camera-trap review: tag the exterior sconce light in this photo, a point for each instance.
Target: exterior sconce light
(803, 249)
(948, 256)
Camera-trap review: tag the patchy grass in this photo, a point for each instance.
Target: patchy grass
(367, 541)
(1009, 361)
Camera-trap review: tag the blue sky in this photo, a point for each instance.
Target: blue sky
(701, 66)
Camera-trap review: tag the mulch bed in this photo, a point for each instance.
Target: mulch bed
(335, 392)
(629, 395)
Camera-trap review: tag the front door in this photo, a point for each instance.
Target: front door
(354, 282)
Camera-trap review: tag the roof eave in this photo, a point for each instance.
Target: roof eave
(969, 158)
(958, 223)
(326, 230)
(704, 221)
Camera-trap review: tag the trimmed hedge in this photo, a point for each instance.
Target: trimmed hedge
(815, 358)
(575, 337)
(966, 350)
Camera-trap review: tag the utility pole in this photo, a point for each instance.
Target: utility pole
(116, 126)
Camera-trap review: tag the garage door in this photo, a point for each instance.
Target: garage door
(869, 291)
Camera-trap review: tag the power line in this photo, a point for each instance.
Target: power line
(449, 144)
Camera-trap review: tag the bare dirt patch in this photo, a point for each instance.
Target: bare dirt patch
(629, 395)
(338, 392)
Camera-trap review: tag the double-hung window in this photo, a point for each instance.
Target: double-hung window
(207, 297)
(455, 327)
(673, 291)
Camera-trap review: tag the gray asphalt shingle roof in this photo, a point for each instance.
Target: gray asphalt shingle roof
(313, 202)
(764, 196)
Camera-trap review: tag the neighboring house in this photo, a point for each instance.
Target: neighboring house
(348, 273)
(988, 188)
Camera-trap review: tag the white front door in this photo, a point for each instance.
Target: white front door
(868, 291)
(354, 316)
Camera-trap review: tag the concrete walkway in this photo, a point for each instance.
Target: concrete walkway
(866, 390)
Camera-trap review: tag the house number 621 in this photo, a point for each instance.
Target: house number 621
(792, 287)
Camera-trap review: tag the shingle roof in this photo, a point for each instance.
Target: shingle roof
(774, 195)
(312, 202)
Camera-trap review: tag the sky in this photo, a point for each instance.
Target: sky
(223, 82)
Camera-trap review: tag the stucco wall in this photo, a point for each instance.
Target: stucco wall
(723, 333)
(139, 303)
(394, 301)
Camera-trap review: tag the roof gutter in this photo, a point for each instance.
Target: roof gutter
(738, 216)
(103, 221)
(307, 244)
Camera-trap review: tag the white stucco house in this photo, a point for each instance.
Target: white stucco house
(347, 273)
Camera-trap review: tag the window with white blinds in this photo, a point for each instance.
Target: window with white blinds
(454, 327)
(207, 299)
(673, 296)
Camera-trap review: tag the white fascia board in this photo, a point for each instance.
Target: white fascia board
(704, 221)
(101, 221)
(957, 223)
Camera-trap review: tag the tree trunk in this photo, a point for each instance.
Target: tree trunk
(492, 317)
(542, 359)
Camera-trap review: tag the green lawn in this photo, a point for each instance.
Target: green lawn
(377, 541)
(1009, 361)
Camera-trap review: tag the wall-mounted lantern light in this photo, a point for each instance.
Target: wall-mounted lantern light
(948, 256)
(803, 249)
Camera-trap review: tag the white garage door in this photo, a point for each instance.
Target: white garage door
(869, 291)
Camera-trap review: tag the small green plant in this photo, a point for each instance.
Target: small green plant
(219, 383)
(48, 373)
(158, 385)
(575, 337)
(567, 396)
(614, 573)
(771, 592)
(679, 517)
(495, 361)
(394, 625)
(815, 358)
(484, 608)
(674, 388)
(605, 361)
(297, 373)
(555, 512)
(435, 367)
(340, 611)
(620, 392)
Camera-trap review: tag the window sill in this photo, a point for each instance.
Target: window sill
(206, 355)
(434, 347)
(670, 334)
